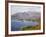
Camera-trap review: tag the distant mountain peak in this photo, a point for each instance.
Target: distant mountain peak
(26, 15)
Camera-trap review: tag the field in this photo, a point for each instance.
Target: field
(37, 27)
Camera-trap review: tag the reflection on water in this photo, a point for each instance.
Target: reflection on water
(16, 25)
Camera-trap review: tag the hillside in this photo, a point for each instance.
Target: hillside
(26, 15)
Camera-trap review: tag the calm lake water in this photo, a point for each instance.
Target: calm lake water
(16, 25)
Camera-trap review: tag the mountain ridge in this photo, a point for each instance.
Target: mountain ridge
(26, 15)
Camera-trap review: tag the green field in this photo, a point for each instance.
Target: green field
(31, 27)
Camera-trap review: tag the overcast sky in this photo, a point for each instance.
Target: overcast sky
(18, 8)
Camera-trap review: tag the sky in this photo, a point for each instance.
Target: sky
(18, 8)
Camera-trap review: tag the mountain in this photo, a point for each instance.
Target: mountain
(26, 15)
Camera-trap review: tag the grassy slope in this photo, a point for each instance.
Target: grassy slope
(31, 27)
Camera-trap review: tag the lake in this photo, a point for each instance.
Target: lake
(17, 24)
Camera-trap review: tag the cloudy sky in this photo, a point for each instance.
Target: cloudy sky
(18, 8)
